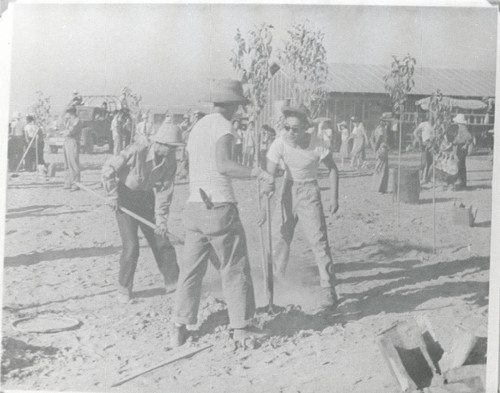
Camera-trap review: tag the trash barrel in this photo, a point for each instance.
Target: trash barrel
(409, 189)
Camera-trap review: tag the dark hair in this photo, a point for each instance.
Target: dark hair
(29, 118)
(71, 111)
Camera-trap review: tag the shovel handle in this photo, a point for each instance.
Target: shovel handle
(129, 212)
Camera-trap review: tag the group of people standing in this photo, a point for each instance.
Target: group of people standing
(246, 141)
(141, 178)
(26, 139)
(450, 151)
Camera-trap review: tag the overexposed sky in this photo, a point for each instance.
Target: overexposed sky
(167, 53)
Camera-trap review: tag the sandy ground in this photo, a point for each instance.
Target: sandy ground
(61, 257)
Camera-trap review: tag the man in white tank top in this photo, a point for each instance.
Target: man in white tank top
(300, 198)
(211, 219)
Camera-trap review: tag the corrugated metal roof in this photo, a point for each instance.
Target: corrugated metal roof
(367, 78)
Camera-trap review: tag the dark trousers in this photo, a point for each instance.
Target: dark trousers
(462, 170)
(142, 203)
(30, 159)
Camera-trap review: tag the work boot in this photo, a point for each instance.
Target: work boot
(328, 298)
(248, 335)
(179, 335)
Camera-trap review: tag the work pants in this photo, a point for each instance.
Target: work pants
(142, 203)
(117, 144)
(426, 163)
(216, 234)
(71, 161)
(301, 202)
(462, 168)
(16, 151)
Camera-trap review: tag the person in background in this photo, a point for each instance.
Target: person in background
(238, 142)
(76, 100)
(249, 144)
(141, 178)
(264, 145)
(379, 135)
(127, 128)
(300, 197)
(380, 178)
(212, 221)
(325, 134)
(344, 146)
(17, 141)
(143, 130)
(360, 140)
(117, 131)
(462, 142)
(71, 150)
(30, 132)
(425, 135)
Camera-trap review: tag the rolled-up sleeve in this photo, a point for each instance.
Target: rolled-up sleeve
(109, 174)
(163, 199)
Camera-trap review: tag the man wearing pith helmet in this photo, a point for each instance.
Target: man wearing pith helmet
(300, 198)
(141, 179)
(211, 219)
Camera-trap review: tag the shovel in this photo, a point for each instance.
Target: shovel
(176, 239)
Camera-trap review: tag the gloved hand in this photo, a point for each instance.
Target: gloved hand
(161, 230)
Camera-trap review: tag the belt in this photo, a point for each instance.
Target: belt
(300, 182)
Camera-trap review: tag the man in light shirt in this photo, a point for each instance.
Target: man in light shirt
(300, 198)
(211, 219)
(424, 133)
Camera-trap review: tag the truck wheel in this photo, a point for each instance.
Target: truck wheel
(54, 149)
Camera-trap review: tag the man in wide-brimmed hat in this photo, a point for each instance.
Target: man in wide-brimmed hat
(141, 179)
(300, 198)
(462, 143)
(211, 219)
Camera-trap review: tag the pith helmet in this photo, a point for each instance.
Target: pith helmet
(169, 134)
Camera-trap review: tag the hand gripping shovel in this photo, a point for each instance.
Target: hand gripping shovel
(176, 239)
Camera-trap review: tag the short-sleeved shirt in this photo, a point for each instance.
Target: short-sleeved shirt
(427, 131)
(203, 171)
(300, 164)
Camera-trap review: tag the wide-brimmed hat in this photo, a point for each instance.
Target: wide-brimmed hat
(300, 111)
(168, 134)
(75, 92)
(343, 124)
(460, 119)
(355, 119)
(227, 91)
